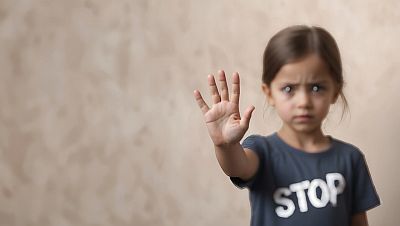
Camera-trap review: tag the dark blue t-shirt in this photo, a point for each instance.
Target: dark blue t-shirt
(296, 188)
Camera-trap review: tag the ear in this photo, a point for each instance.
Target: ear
(268, 93)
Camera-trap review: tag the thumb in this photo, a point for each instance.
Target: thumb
(244, 122)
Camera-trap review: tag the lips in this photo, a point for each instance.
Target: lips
(303, 118)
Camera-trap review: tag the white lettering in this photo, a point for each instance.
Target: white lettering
(312, 193)
(329, 193)
(335, 191)
(280, 211)
(301, 195)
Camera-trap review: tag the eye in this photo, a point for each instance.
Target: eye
(317, 88)
(287, 89)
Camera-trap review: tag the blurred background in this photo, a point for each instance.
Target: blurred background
(98, 124)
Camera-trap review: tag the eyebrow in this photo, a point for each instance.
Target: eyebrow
(309, 83)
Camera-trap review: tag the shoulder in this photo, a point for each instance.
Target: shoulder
(259, 143)
(348, 149)
(254, 138)
(257, 139)
(253, 142)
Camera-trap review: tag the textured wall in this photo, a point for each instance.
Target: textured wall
(98, 125)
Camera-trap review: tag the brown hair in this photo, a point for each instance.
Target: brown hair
(295, 42)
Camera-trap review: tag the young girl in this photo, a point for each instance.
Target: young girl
(297, 175)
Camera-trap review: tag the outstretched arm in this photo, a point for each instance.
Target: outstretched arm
(226, 127)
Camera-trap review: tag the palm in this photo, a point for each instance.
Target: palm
(223, 120)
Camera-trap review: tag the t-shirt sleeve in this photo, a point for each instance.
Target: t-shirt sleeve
(365, 196)
(253, 143)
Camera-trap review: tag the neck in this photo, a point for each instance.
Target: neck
(310, 141)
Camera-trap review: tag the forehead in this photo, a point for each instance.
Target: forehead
(308, 69)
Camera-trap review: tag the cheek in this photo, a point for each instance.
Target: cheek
(323, 105)
(284, 109)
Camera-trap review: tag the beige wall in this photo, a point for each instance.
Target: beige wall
(98, 125)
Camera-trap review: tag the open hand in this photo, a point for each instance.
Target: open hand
(224, 124)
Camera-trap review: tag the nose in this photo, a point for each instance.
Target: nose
(304, 99)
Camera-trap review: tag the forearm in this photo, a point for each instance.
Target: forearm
(359, 219)
(233, 160)
(225, 125)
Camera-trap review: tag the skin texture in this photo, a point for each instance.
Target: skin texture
(359, 219)
(226, 127)
(301, 94)
(303, 87)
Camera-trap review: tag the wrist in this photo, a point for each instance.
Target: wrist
(226, 146)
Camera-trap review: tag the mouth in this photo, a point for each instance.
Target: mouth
(303, 118)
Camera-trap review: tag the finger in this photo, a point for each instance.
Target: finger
(213, 89)
(224, 86)
(200, 101)
(235, 88)
(246, 117)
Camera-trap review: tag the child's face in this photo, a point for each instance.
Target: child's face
(302, 93)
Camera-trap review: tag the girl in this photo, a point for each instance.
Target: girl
(297, 175)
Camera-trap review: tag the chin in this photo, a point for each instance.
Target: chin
(305, 128)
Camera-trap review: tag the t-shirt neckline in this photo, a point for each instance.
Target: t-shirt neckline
(297, 151)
